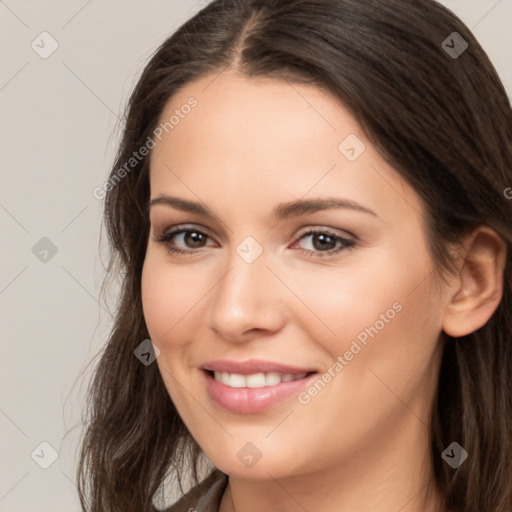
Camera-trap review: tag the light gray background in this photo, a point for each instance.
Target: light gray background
(58, 137)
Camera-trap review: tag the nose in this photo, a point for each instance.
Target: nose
(246, 302)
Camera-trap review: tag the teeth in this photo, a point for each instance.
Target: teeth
(237, 381)
(255, 380)
(273, 378)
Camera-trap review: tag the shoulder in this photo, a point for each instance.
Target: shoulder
(204, 497)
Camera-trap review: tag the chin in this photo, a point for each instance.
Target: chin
(248, 463)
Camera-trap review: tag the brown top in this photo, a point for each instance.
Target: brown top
(205, 497)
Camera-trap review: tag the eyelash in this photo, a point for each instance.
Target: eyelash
(346, 244)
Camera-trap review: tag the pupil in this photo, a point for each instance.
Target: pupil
(194, 238)
(322, 238)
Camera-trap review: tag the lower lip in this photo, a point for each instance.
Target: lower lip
(252, 400)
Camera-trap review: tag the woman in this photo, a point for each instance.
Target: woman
(309, 209)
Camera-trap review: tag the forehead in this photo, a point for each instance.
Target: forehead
(260, 139)
(257, 108)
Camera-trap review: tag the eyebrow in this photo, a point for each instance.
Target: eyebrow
(281, 211)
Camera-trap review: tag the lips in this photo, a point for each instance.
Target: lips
(253, 386)
(254, 366)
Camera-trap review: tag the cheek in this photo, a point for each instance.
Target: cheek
(387, 341)
(343, 302)
(384, 303)
(168, 294)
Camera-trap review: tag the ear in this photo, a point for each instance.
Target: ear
(477, 290)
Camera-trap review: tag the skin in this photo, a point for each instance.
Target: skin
(362, 442)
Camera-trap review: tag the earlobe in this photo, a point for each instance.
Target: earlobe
(478, 288)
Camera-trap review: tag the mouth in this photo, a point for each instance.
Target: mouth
(247, 391)
(255, 380)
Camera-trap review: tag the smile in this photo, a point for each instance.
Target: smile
(253, 392)
(255, 380)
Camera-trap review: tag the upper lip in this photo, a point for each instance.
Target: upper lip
(253, 366)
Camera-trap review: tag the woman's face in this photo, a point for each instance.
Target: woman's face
(275, 283)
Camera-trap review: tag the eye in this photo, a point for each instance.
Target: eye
(191, 237)
(324, 243)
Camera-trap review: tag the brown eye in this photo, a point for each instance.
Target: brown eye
(324, 243)
(194, 239)
(189, 239)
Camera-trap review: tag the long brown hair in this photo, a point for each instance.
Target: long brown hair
(442, 120)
